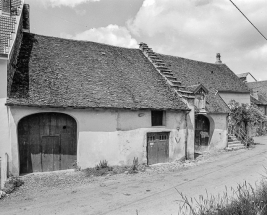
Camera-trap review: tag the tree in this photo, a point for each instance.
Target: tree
(245, 113)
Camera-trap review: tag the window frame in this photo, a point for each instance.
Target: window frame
(163, 118)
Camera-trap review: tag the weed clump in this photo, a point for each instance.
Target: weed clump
(11, 184)
(245, 200)
(103, 169)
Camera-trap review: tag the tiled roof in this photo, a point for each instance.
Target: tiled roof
(195, 88)
(215, 77)
(67, 73)
(259, 87)
(212, 76)
(242, 75)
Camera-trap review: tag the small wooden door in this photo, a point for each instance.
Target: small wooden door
(47, 142)
(202, 130)
(157, 147)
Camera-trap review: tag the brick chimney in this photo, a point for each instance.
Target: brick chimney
(218, 58)
(26, 18)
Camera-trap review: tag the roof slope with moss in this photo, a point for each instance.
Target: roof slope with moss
(259, 87)
(215, 77)
(59, 72)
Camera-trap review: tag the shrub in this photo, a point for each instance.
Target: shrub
(250, 142)
(12, 183)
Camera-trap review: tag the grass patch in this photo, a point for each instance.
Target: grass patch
(244, 200)
(103, 169)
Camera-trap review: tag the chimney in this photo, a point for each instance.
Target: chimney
(255, 95)
(26, 18)
(218, 59)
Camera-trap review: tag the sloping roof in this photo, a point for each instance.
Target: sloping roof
(259, 87)
(195, 88)
(212, 76)
(215, 77)
(242, 75)
(59, 72)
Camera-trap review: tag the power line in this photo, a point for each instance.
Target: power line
(248, 20)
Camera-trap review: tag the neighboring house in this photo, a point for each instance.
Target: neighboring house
(215, 85)
(259, 94)
(66, 101)
(246, 77)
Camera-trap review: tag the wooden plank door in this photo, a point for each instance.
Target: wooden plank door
(157, 147)
(47, 142)
(50, 153)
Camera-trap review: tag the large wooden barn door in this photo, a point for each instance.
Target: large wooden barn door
(47, 142)
(157, 147)
(202, 130)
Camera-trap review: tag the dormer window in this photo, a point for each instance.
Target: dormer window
(200, 101)
(200, 97)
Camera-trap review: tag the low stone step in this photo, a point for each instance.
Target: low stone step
(154, 57)
(166, 73)
(157, 61)
(165, 70)
(234, 142)
(235, 148)
(176, 83)
(162, 68)
(232, 138)
(160, 64)
(185, 92)
(171, 78)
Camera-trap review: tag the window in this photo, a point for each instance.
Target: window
(158, 118)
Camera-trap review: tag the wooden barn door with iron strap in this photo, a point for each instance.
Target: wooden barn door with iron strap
(47, 142)
(202, 130)
(157, 147)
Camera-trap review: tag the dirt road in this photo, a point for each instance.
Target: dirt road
(149, 193)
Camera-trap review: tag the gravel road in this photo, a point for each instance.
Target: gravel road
(150, 192)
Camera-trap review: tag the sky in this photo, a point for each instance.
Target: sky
(193, 29)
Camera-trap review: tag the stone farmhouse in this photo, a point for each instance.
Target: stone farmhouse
(66, 102)
(259, 94)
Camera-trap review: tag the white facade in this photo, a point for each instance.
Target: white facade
(113, 135)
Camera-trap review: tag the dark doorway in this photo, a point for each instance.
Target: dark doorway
(202, 130)
(157, 147)
(47, 142)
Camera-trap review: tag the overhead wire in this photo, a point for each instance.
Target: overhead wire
(248, 19)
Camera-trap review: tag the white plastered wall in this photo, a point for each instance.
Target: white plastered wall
(4, 124)
(114, 135)
(241, 98)
(219, 138)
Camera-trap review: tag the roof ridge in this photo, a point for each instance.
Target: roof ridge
(79, 41)
(197, 61)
